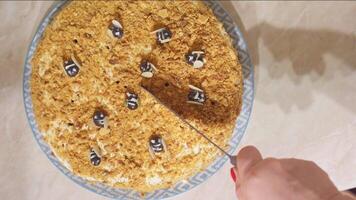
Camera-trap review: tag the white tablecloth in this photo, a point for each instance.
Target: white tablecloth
(305, 104)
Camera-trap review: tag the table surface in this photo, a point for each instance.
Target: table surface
(305, 99)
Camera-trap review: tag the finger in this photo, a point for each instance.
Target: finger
(248, 157)
(237, 186)
(238, 190)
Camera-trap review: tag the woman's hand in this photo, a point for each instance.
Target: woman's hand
(281, 179)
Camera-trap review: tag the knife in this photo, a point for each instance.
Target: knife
(231, 157)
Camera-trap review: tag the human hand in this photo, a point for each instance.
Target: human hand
(281, 179)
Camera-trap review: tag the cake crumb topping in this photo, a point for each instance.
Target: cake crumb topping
(85, 86)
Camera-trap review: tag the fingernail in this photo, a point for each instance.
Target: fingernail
(232, 174)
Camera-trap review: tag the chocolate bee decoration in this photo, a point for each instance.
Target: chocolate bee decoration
(99, 118)
(71, 67)
(156, 144)
(147, 69)
(196, 95)
(195, 58)
(132, 100)
(95, 158)
(163, 35)
(115, 29)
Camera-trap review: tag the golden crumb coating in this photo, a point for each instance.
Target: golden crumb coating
(109, 67)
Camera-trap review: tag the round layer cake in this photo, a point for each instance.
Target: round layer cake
(88, 75)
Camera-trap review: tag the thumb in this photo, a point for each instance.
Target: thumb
(248, 157)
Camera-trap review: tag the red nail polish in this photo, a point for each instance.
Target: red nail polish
(232, 174)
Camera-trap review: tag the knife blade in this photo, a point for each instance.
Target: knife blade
(231, 157)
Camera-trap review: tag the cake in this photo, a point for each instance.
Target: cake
(88, 74)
